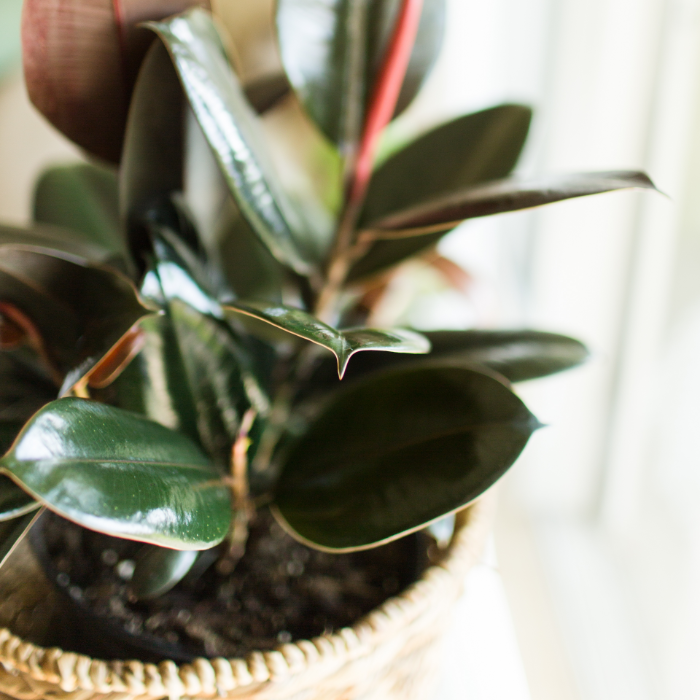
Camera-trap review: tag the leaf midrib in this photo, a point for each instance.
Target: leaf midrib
(180, 465)
(375, 454)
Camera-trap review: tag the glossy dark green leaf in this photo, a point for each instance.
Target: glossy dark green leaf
(159, 569)
(343, 344)
(465, 152)
(178, 277)
(194, 374)
(121, 474)
(393, 453)
(469, 150)
(80, 310)
(152, 385)
(220, 376)
(332, 54)
(517, 355)
(444, 213)
(157, 160)
(152, 160)
(382, 255)
(230, 125)
(195, 280)
(12, 532)
(84, 198)
(54, 238)
(248, 266)
(323, 46)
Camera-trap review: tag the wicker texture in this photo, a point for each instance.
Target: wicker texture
(394, 652)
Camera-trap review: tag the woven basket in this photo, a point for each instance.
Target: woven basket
(392, 653)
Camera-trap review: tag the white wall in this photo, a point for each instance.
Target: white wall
(27, 144)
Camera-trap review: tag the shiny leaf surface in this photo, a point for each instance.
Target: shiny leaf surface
(444, 213)
(465, 152)
(221, 378)
(80, 62)
(249, 268)
(152, 385)
(183, 273)
(83, 198)
(152, 162)
(161, 154)
(194, 373)
(469, 150)
(159, 569)
(230, 125)
(80, 310)
(397, 451)
(332, 53)
(343, 344)
(182, 279)
(54, 238)
(118, 473)
(517, 355)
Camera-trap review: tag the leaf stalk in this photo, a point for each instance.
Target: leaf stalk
(242, 507)
(381, 108)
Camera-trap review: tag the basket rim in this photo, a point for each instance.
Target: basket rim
(219, 677)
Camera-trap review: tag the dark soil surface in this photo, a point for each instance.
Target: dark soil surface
(280, 591)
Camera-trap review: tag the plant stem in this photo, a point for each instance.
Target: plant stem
(381, 108)
(242, 507)
(80, 389)
(386, 94)
(345, 251)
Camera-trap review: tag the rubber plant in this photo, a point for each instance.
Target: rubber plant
(170, 364)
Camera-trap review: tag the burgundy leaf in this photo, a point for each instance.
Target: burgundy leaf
(80, 63)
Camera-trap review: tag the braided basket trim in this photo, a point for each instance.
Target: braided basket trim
(28, 671)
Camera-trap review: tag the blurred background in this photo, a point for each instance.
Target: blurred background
(598, 536)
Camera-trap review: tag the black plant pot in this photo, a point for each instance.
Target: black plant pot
(99, 636)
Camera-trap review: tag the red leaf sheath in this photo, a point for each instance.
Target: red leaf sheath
(386, 92)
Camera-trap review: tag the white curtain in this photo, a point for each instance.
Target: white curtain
(611, 487)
